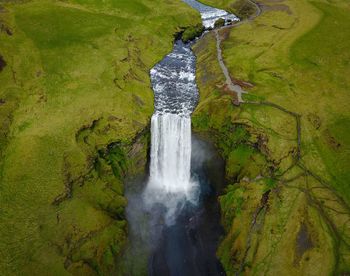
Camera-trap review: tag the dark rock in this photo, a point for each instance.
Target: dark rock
(2, 63)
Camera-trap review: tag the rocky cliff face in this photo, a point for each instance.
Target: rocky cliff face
(286, 210)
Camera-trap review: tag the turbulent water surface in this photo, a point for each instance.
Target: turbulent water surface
(176, 94)
(177, 217)
(210, 15)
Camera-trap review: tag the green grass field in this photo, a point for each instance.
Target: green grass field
(75, 95)
(295, 55)
(76, 80)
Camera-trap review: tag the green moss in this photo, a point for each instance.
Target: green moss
(219, 23)
(237, 160)
(333, 147)
(201, 122)
(76, 80)
(242, 8)
(231, 203)
(47, 32)
(192, 32)
(245, 161)
(270, 184)
(294, 55)
(117, 159)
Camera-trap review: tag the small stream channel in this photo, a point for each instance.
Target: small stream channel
(173, 212)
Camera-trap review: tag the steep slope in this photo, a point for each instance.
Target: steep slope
(286, 148)
(75, 97)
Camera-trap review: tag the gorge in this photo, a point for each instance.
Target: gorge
(147, 137)
(180, 195)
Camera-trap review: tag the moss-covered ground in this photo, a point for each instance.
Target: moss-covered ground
(286, 210)
(74, 94)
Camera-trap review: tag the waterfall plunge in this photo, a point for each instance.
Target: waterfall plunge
(171, 153)
(176, 95)
(170, 183)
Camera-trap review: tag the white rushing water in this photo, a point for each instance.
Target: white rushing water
(210, 15)
(170, 182)
(176, 95)
(171, 153)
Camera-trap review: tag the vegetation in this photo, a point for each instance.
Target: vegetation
(74, 94)
(192, 32)
(242, 8)
(219, 23)
(75, 102)
(286, 210)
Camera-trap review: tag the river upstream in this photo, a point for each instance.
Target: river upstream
(174, 215)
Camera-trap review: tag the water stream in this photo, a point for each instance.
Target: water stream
(210, 14)
(176, 94)
(175, 219)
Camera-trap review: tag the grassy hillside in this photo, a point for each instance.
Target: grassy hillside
(74, 94)
(287, 148)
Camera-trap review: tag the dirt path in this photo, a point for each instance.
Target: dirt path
(232, 86)
(328, 217)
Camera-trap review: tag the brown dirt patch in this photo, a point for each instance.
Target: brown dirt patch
(242, 83)
(225, 90)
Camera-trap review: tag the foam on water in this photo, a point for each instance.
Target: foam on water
(176, 95)
(173, 81)
(210, 15)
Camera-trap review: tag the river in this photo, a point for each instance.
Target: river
(173, 215)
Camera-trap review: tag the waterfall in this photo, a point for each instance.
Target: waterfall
(170, 153)
(170, 183)
(176, 94)
(174, 222)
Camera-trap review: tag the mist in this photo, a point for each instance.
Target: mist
(163, 226)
